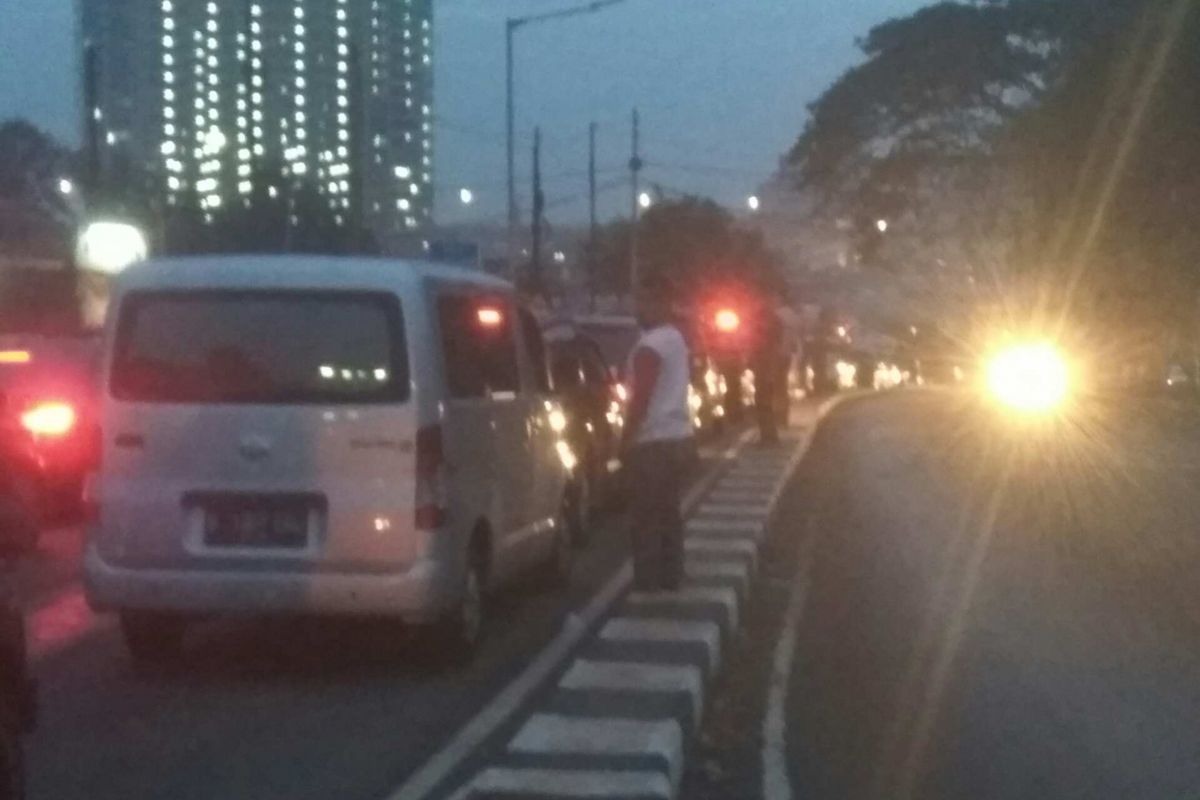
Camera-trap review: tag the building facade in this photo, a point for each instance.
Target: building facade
(215, 98)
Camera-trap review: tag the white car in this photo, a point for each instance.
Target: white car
(318, 435)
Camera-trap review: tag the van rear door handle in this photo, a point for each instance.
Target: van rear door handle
(133, 441)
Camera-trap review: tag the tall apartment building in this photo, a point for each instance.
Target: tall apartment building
(210, 96)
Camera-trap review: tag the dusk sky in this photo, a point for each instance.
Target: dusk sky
(722, 87)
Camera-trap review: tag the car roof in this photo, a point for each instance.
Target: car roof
(295, 271)
(606, 320)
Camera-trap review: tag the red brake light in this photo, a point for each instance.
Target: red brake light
(727, 320)
(430, 489)
(15, 357)
(489, 316)
(50, 418)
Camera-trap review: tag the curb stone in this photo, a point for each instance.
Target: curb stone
(617, 724)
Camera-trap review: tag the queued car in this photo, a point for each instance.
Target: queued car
(48, 387)
(615, 337)
(593, 403)
(322, 436)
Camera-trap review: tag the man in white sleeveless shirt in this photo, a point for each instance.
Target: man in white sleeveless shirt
(657, 441)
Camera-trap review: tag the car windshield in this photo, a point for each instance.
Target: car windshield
(259, 347)
(41, 302)
(615, 341)
(354, 492)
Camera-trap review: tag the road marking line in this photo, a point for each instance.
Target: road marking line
(603, 736)
(505, 704)
(573, 782)
(724, 596)
(667, 630)
(633, 676)
(776, 783)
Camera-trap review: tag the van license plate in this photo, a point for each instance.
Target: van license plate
(256, 525)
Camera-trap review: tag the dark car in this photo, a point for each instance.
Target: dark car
(593, 405)
(48, 389)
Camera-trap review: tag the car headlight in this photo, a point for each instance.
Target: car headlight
(1031, 378)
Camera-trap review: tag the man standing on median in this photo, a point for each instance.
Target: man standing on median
(657, 440)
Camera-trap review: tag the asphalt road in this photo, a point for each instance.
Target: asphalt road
(264, 709)
(991, 610)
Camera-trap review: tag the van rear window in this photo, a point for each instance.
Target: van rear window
(478, 345)
(324, 347)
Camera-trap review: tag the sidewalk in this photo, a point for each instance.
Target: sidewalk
(619, 720)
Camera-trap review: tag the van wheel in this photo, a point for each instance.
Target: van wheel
(153, 639)
(12, 757)
(555, 571)
(456, 636)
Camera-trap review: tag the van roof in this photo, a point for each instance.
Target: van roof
(294, 271)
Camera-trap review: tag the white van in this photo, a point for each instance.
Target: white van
(320, 435)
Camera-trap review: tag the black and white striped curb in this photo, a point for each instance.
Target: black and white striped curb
(618, 722)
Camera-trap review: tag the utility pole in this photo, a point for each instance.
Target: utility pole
(591, 250)
(535, 248)
(510, 27)
(635, 167)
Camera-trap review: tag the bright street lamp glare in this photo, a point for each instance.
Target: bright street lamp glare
(110, 247)
(753, 202)
(65, 186)
(466, 196)
(882, 225)
(644, 200)
(1031, 378)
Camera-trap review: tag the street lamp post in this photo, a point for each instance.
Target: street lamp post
(511, 25)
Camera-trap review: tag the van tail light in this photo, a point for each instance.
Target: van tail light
(431, 479)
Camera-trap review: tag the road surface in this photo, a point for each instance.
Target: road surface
(990, 611)
(269, 708)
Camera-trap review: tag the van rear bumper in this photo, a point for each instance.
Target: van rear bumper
(420, 593)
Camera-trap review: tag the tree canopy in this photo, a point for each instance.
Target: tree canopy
(1042, 141)
(691, 240)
